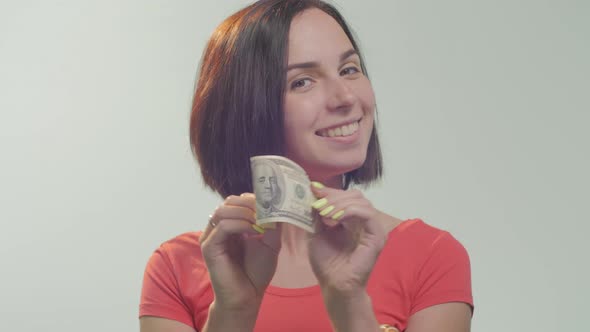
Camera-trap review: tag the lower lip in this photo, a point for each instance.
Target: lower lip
(344, 139)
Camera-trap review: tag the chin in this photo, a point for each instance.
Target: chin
(348, 167)
(326, 163)
(334, 167)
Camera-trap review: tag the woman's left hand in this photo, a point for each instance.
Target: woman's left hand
(349, 237)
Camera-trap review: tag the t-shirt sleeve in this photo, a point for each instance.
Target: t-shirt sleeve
(160, 293)
(445, 275)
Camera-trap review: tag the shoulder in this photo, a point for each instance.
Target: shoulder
(442, 270)
(182, 242)
(178, 257)
(175, 284)
(179, 248)
(422, 237)
(415, 227)
(432, 264)
(419, 246)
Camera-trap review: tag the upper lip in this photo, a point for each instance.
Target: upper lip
(340, 124)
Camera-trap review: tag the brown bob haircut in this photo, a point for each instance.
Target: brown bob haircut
(237, 109)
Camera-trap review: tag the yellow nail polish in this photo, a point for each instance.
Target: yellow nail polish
(338, 214)
(319, 203)
(258, 229)
(327, 210)
(317, 185)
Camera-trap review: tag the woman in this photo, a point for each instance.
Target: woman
(286, 77)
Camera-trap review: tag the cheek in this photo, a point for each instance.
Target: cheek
(290, 125)
(298, 116)
(366, 96)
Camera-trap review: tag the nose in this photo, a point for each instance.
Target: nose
(340, 95)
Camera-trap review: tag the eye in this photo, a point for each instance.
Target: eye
(301, 83)
(349, 71)
(261, 179)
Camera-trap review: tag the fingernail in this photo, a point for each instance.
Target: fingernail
(327, 210)
(258, 229)
(338, 214)
(317, 185)
(319, 203)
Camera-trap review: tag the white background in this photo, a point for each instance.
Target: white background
(483, 114)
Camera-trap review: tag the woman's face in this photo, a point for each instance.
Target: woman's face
(329, 102)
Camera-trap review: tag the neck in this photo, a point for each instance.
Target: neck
(332, 182)
(293, 268)
(294, 241)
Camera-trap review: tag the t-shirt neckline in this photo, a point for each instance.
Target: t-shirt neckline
(293, 292)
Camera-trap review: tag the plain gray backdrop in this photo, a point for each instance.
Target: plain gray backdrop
(483, 114)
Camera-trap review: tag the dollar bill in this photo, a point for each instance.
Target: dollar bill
(282, 192)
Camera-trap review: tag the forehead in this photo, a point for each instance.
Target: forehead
(314, 35)
(266, 169)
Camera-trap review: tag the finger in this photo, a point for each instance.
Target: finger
(319, 190)
(227, 228)
(227, 211)
(233, 212)
(250, 195)
(334, 195)
(207, 230)
(367, 218)
(246, 200)
(334, 208)
(319, 225)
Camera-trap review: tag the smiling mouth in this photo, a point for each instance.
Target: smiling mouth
(340, 131)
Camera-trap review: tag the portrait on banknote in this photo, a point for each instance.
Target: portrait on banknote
(282, 192)
(268, 182)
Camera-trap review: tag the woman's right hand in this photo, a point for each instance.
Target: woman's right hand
(241, 261)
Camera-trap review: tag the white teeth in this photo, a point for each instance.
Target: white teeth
(345, 130)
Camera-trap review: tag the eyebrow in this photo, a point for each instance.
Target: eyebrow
(312, 64)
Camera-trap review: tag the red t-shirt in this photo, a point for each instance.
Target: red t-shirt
(419, 266)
